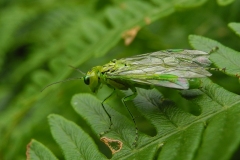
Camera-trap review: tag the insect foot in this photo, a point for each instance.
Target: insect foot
(214, 50)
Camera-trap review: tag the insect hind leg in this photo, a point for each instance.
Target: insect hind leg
(220, 69)
(127, 98)
(217, 69)
(215, 49)
(109, 116)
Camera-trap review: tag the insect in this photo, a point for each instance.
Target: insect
(173, 68)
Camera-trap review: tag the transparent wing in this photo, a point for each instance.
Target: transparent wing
(181, 63)
(151, 68)
(179, 83)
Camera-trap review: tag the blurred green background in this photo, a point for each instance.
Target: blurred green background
(39, 39)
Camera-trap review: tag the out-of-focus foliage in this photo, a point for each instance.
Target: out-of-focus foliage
(39, 39)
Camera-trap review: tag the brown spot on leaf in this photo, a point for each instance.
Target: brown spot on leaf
(28, 150)
(238, 76)
(147, 20)
(113, 145)
(129, 35)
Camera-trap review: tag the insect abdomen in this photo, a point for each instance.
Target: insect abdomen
(194, 83)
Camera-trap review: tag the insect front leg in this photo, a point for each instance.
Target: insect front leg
(127, 98)
(109, 116)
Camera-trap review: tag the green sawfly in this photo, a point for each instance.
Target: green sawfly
(174, 68)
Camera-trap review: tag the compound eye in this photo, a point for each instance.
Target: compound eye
(87, 80)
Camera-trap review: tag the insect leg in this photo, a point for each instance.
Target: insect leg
(127, 98)
(216, 69)
(215, 49)
(109, 116)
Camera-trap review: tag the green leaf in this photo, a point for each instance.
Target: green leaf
(55, 36)
(39, 39)
(224, 2)
(51, 36)
(74, 142)
(189, 3)
(223, 57)
(91, 109)
(180, 135)
(123, 129)
(235, 27)
(37, 151)
(182, 145)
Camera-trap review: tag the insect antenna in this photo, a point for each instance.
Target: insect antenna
(77, 70)
(66, 80)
